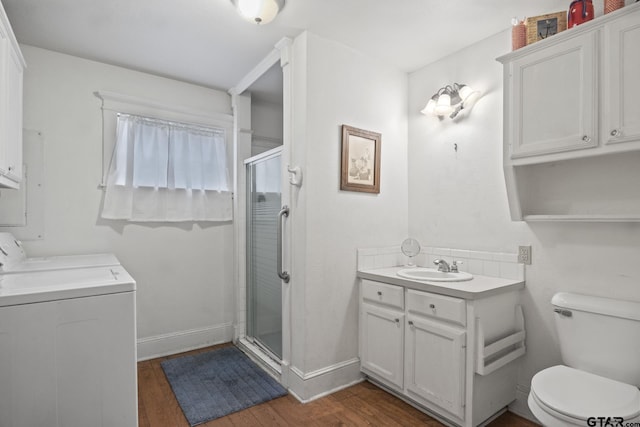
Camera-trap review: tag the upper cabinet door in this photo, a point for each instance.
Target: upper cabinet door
(622, 66)
(13, 147)
(4, 56)
(11, 71)
(554, 98)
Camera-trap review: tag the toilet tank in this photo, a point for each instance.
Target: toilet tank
(599, 335)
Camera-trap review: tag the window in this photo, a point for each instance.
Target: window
(167, 171)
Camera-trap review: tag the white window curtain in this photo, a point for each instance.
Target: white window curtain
(165, 171)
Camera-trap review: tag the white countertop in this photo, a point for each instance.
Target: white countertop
(476, 288)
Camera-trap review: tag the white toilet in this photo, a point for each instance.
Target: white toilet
(600, 345)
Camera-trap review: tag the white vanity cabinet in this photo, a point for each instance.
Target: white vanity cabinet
(435, 350)
(382, 323)
(572, 123)
(447, 354)
(12, 65)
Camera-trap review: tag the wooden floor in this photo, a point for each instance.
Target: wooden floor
(360, 405)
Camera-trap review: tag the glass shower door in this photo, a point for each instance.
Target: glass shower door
(264, 288)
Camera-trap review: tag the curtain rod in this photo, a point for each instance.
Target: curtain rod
(174, 123)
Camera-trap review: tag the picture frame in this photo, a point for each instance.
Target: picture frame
(360, 162)
(542, 26)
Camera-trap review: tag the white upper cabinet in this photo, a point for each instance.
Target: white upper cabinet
(572, 123)
(621, 81)
(11, 70)
(554, 98)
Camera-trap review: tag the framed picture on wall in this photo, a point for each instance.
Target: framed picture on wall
(360, 168)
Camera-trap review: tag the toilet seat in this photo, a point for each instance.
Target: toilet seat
(573, 395)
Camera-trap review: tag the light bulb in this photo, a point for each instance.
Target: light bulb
(469, 96)
(443, 106)
(429, 108)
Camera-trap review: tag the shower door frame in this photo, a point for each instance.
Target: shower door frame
(241, 151)
(255, 340)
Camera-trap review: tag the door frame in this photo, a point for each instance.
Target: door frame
(241, 151)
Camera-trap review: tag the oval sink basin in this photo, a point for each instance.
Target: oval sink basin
(433, 275)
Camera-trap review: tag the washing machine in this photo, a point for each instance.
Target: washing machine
(14, 259)
(68, 347)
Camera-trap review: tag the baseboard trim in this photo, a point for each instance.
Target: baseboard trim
(181, 341)
(520, 406)
(319, 383)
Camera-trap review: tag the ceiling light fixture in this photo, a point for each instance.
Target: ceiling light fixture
(450, 100)
(258, 11)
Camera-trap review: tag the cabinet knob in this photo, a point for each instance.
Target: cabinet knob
(397, 320)
(586, 138)
(10, 168)
(615, 132)
(432, 306)
(379, 293)
(410, 322)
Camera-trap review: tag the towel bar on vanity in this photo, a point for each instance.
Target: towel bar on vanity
(495, 355)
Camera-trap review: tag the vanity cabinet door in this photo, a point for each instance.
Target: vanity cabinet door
(382, 343)
(622, 86)
(435, 364)
(551, 98)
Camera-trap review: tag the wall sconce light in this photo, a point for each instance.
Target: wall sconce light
(258, 11)
(450, 100)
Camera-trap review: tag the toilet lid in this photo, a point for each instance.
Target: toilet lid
(580, 394)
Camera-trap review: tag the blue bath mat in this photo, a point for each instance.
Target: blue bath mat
(217, 383)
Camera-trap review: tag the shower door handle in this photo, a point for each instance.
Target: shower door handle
(284, 212)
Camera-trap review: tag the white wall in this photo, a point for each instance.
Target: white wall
(458, 200)
(184, 271)
(335, 85)
(266, 124)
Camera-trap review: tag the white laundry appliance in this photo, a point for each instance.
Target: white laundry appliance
(67, 345)
(13, 259)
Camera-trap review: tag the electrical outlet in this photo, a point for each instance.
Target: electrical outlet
(524, 254)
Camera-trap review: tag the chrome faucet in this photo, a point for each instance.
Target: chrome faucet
(442, 265)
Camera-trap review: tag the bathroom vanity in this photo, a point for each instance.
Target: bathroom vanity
(445, 347)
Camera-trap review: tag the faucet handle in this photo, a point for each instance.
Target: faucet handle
(454, 266)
